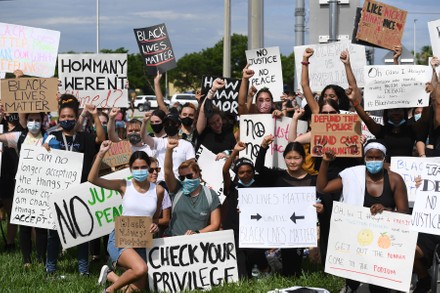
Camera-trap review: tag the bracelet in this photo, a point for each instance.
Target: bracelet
(355, 104)
(211, 91)
(305, 63)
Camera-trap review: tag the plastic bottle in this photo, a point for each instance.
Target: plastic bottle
(255, 272)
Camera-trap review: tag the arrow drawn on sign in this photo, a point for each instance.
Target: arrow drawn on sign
(256, 217)
(294, 218)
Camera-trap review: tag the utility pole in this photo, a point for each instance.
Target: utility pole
(97, 26)
(227, 40)
(299, 22)
(333, 20)
(255, 24)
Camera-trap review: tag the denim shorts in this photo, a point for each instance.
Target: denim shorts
(115, 252)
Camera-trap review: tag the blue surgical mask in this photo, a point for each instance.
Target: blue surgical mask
(68, 124)
(396, 124)
(374, 167)
(246, 185)
(34, 126)
(140, 175)
(417, 116)
(189, 185)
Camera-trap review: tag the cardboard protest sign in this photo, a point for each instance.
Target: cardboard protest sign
(340, 132)
(32, 50)
(29, 95)
(155, 47)
(86, 211)
(191, 262)
(133, 232)
(226, 98)
(326, 67)
(98, 79)
(118, 155)
(40, 174)
(377, 250)
(396, 86)
(277, 217)
(434, 35)
(266, 62)
(381, 24)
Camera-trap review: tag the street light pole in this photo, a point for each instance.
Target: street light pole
(415, 20)
(227, 40)
(97, 26)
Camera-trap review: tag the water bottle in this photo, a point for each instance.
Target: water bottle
(255, 272)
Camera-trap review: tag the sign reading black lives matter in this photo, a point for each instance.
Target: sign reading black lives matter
(226, 98)
(191, 262)
(41, 173)
(98, 79)
(155, 47)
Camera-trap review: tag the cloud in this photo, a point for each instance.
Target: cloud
(167, 14)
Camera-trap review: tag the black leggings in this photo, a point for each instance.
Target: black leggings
(26, 243)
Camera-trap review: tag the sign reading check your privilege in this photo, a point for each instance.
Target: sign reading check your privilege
(155, 47)
(98, 79)
(377, 250)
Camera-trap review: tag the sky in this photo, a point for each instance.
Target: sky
(192, 25)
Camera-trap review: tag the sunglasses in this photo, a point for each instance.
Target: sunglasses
(151, 170)
(329, 112)
(187, 176)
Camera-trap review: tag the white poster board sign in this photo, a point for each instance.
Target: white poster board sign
(396, 86)
(191, 262)
(266, 63)
(426, 211)
(326, 67)
(86, 211)
(32, 50)
(277, 217)
(434, 35)
(2, 75)
(377, 250)
(99, 79)
(40, 174)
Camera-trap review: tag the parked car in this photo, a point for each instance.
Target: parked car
(147, 102)
(184, 98)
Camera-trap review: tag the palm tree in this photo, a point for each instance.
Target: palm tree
(422, 58)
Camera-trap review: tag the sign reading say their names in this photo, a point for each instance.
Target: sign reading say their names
(434, 35)
(381, 24)
(377, 249)
(338, 132)
(98, 79)
(277, 217)
(40, 174)
(396, 86)
(226, 98)
(266, 62)
(29, 95)
(192, 262)
(326, 67)
(87, 211)
(118, 154)
(32, 50)
(133, 232)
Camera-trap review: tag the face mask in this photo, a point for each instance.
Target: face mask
(171, 130)
(246, 185)
(68, 124)
(140, 175)
(13, 118)
(417, 116)
(396, 124)
(374, 167)
(157, 127)
(34, 127)
(187, 121)
(134, 138)
(264, 107)
(189, 185)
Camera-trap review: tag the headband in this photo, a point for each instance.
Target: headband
(375, 145)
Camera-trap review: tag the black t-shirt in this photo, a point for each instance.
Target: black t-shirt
(217, 142)
(399, 141)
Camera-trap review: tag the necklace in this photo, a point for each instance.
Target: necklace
(194, 199)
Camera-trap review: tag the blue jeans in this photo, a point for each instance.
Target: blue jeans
(53, 249)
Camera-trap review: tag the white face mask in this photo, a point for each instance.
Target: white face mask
(34, 126)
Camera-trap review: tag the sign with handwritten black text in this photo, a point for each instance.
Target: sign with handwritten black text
(226, 98)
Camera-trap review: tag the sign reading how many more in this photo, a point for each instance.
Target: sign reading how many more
(87, 211)
(266, 63)
(40, 174)
(396, 86)
(381, 24)
(98, 79)
(226, 98)
(32, 50)
(326, 67)
(281, 217)
(192, 262)
(376, 250)
(29, 95)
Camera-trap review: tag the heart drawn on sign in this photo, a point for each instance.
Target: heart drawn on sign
(399, 26)
(420, 101)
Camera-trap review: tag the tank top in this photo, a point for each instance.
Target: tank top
(386, 198)
(135, 203)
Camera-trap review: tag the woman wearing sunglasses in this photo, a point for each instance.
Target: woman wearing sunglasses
(140, 197)
(196, 208)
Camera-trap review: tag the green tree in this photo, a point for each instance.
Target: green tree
(288, 63)
(422, 57)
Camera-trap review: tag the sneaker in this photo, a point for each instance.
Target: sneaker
(103, 275)
(347, 289)
(423, 285)
(87, 274)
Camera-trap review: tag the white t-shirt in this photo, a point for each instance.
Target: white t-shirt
(144, 148)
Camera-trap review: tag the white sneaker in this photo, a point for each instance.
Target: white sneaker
(103, 275)
(347, 289)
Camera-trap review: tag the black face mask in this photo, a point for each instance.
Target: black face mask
(171, 130)
(187, 121)
(13, 118)
(134, 138)
(157, 127)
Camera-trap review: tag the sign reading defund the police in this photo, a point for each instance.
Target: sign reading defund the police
(426, 212)
(192, 262)
(277, 217)
(41, 173)
(87, 211)
(377, 249)
(98, 79)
